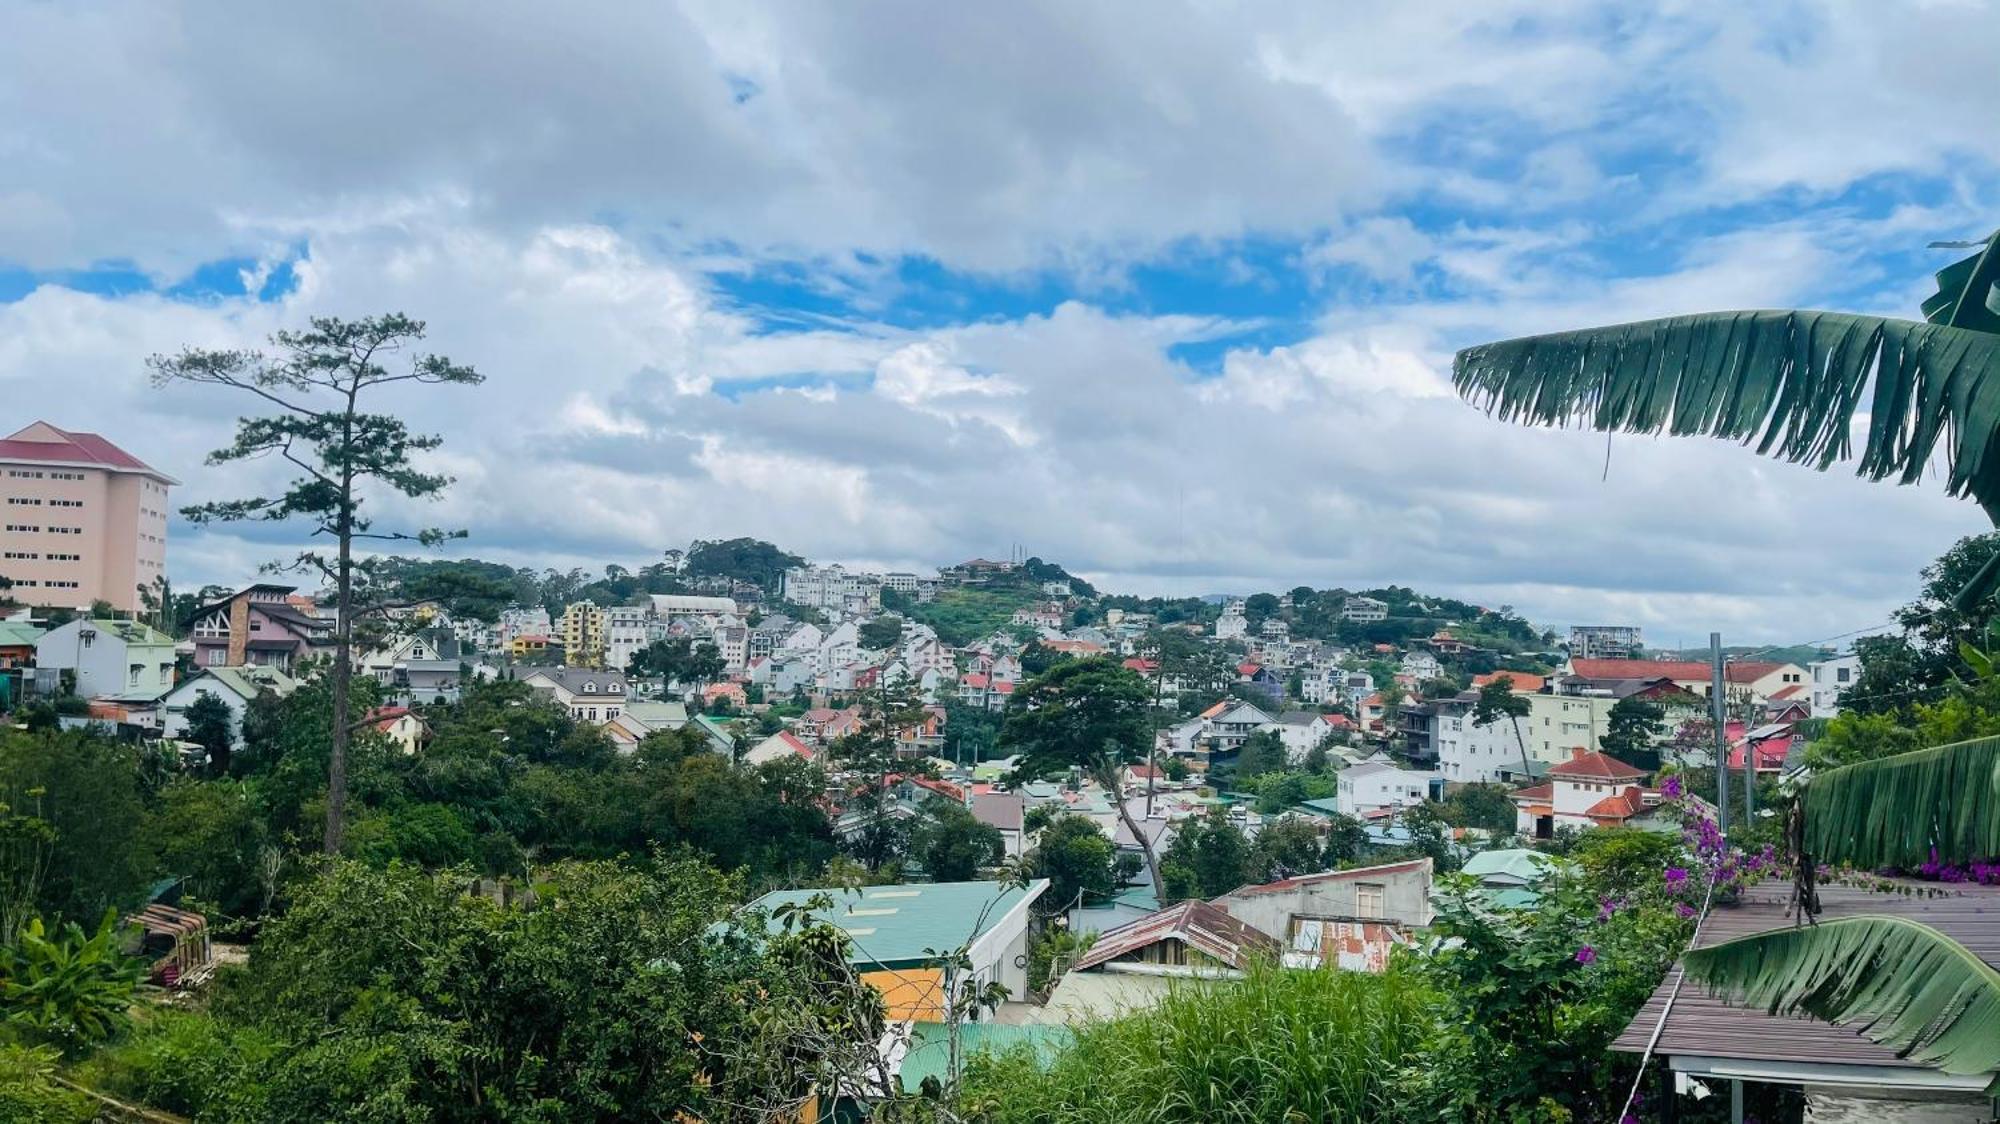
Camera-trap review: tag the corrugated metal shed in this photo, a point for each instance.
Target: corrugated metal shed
(1197, 924)
(1701, 1024)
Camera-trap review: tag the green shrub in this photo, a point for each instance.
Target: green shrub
(1278, 1045)
(28, 1092)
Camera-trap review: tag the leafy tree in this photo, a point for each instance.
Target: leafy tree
(1088, 714)
(212, 834)
(745, 559)
(1633, 730)
(1480, 805)
(1285, 848)
(678, 659)
(951, 844)
(1261, 606)
(1262, 752)
(1076, 858)
(1497, 700)
(339, 450)
(1346, 841)
(81, 803)
(209, 722)
(1037, 658)
(1209, 857)
(881, 633)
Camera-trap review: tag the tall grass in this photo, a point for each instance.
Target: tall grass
(1295, 1047)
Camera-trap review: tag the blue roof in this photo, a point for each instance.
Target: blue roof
(930, 1046)
(915, 922)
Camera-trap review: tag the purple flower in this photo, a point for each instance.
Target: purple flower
(1671, 787)
(1684, 909)
(1586, 955)
(1606, 907)
(1676, 877)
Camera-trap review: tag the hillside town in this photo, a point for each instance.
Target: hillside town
(1357, 745)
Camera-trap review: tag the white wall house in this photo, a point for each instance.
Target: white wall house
(1829, 679)
(1301, 730)
(596, 697)
(1468, 753)
(111, 658)
(1375, 785)
(234, 687)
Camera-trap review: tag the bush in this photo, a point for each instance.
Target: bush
(29, 1094)
(1279, 1045)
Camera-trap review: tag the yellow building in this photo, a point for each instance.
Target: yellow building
(582, 632)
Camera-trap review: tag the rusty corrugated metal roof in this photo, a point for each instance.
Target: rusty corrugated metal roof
(1199, 925)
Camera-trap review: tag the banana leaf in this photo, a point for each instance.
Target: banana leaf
(1905, 810)
(1789, 382)
(1901, 984)
(1968, 293)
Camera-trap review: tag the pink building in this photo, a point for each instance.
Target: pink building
(81, 520)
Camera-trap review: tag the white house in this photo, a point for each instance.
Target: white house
(778, 747)
(1301, 730)
(1364, 610)
(1589, 789)
(596, 697)
(111, 659)
(1231, 723)
(1423, 666)
(234, 687)
(1829, 679)
(1376, 785)
(1232, 624)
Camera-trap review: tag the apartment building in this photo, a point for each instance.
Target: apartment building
(584, 632)
(833, 589)
(81, 520)
(1604, 642)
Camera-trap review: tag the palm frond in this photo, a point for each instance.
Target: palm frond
(1903, 985)
(1903, 811)
(1789, 382)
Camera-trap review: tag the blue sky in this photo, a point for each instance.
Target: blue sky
(1168, 293)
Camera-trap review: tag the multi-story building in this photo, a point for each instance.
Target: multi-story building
(833, 589)
(627, 629)
(582, 633)
(110, 659)
(1604, 642)
(81, 520)
(1232, 624)
(1364, 610)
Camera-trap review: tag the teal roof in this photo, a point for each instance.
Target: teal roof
(1326, 806)
(930, 1046)
(1515, 863)
(912, 923)
(18, 634)
(1511, 897)
(714, 729)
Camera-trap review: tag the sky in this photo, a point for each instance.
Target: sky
(1165, 292)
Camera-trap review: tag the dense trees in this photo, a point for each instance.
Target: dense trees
(1077, 859)
(678, 659)
(951, 844)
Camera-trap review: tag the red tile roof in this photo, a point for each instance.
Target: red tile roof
(974, 680)
(1621, 806)
(1247, 669)
(1771, 753)
(1748, 671)
(1520, 682)
(1590, 765)
(1537, 794)
(791, 741)
(71, 448)
(1678, 670)
(1143, 667)
(1783, 693)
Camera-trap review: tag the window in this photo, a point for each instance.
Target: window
(1368, 899)
(23, 502)
(217, 657)
(133, 674)
(589, 686)
(1842, 674)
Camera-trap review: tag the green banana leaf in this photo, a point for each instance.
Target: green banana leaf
(1901, 984)
(1896, 811)
(1968, 293)
(1789, 382)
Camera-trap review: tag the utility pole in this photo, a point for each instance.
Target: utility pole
(1749, 768)
(1720, 717)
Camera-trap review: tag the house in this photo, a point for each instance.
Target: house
(1604, 641)
(596, 697)
(1262, 682)
(778, 747)
(1004, 812)
(1422, 666)
(400, 725)
(1467, 752)
(726, 689)
(1230, 723)
(235, 687)
(1759, 681)
(720, 741)
(1232, 624)
(1301, 730)
(901, 935)
(1768, 745)
(423, 664)
(1519, 682)
(1351, 919)
(259, 625)
(642, 717)
(1590, 789)
(1135, 965)
(17, 644)
(1378, 785)
(110, 659)
(1830, 678)
(1844, 1076)
(1508, 877)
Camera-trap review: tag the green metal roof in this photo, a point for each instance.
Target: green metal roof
(1326, 806)
(930, 1046)
(894, 925)
(1517, 863)
(18, 634)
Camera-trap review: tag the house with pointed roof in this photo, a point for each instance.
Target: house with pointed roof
(1135, 965)
(778, 747)
(1590, 789)
(234, 687)
(258, 625)
(1350, 919)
